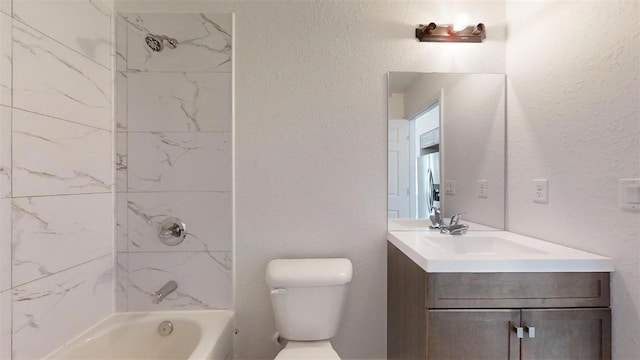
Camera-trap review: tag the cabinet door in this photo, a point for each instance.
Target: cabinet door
(566, 334)
(472, 334)
(406, 318)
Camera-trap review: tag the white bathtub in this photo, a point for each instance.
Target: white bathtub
(196, 335)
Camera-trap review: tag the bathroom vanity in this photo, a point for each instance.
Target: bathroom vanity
(495, 295)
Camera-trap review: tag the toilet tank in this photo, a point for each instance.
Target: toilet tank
(308, 296)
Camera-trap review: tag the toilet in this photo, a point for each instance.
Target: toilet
(308, 298)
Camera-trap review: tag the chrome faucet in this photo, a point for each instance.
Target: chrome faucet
(455, 227)
(455, 219)
(436, 218)
(167, 289)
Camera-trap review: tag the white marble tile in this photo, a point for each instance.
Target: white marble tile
(52, 156)
(179, 162)
(82, 25)
(121, 101)
(204, 42)
(5, 6)
(121, 43)
(5, 244)
(121, 162)
(5, 325)
(49, 312)
(51, 79)
(5, 59)
(179, 102)
(122, 278)
(207, 216)
(5, 151)
(122, 227)
(47, 240)
(204, 280)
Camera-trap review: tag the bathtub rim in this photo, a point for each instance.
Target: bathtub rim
(202, 350)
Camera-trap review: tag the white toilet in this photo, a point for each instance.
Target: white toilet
(308, 298)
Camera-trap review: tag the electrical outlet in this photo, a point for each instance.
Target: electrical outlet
(541, 191)
(483, 189)
(450, 187)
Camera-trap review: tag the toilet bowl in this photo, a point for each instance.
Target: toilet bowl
(308, 297)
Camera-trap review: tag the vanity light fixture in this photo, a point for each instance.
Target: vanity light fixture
(449, 33)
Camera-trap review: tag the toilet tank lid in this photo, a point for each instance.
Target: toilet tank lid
(308, 272)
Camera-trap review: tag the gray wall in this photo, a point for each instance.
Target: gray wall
(574, 118)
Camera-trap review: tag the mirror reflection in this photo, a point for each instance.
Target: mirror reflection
(446, 149)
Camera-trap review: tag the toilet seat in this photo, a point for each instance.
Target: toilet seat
(302, 350)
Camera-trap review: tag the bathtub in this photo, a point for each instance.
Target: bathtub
(195, 335)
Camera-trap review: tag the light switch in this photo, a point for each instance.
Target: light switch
(629, 194)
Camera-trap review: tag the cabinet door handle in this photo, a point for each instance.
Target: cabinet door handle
(530, 330)
(519, 331)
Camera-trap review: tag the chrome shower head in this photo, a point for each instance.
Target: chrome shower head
(156, 42)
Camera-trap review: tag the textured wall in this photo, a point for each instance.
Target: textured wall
(56, 209)
(574, 118)
(174, 144)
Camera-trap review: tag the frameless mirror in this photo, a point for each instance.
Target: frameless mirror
(446, 149)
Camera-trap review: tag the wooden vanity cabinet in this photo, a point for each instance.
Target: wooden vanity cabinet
(495, 315)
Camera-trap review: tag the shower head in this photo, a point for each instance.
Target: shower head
(156, 42)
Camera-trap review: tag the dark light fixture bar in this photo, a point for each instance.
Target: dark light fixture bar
(445, 33)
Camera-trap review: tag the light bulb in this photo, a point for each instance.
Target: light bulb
(461, 22)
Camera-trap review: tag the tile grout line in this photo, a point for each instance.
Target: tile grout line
(59, 195)
(11, 179)
(173, 132)
(180, 251)
(58, 118)
(57, 272)
(124, 113)
(11, 194)
(113, 169)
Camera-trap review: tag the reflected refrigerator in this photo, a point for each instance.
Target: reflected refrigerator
(428, 192)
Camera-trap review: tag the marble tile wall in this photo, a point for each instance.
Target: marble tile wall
(56, 173)
(5, 178)
(173, 159)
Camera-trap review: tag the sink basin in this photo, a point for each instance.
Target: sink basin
(482, 246)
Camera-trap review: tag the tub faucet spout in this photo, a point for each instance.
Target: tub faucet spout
(167, 289)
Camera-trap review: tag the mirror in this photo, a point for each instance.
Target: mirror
(446, 148)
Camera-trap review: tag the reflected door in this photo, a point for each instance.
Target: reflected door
(398, 180)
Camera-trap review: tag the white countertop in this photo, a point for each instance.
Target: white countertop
(504, 252)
